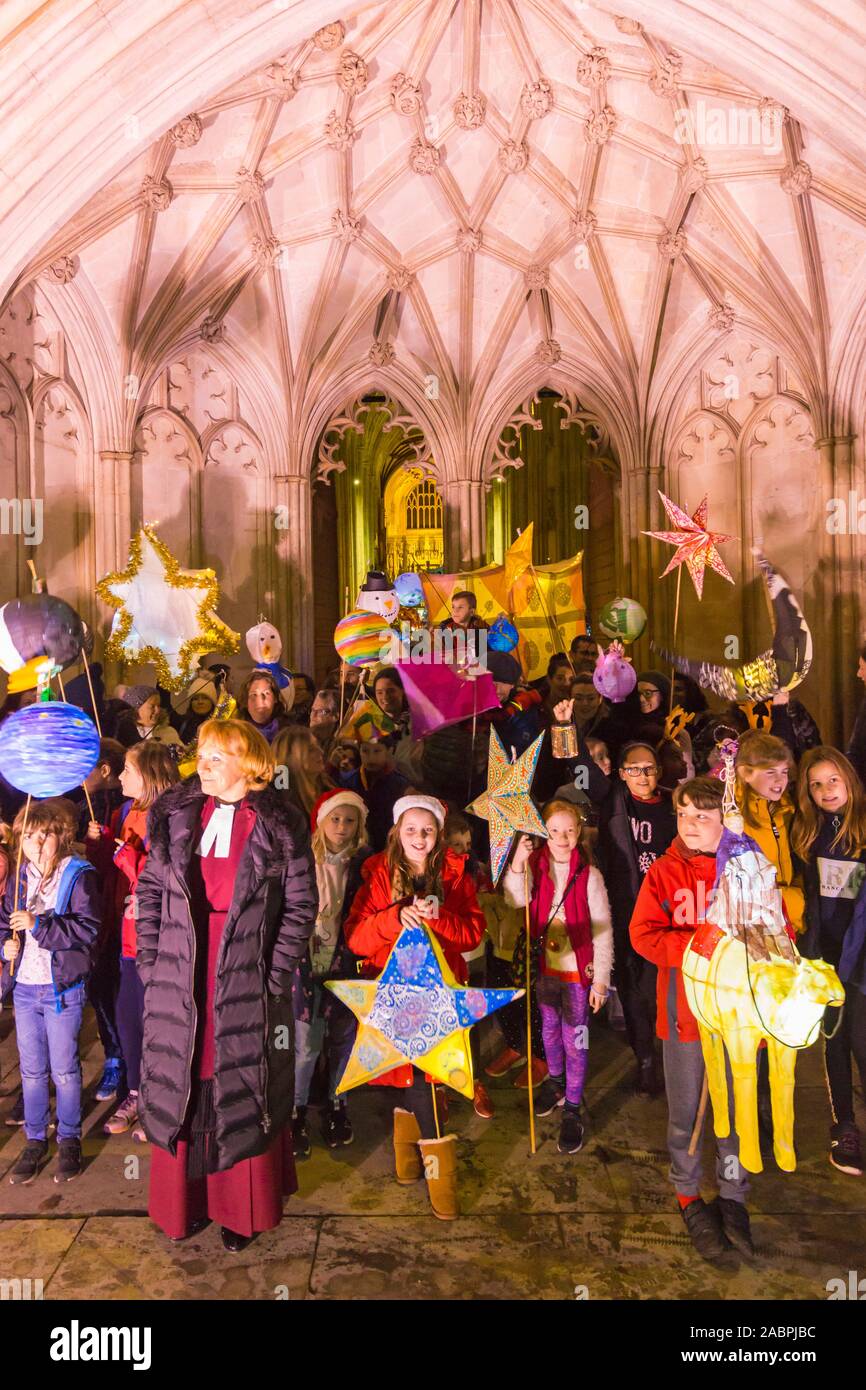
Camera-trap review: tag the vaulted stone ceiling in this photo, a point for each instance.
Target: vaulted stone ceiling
(468, 196)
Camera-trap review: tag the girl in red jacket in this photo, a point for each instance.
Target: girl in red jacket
(398, 890)
(120, 851)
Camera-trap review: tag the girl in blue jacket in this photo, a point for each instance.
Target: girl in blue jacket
(49, 919)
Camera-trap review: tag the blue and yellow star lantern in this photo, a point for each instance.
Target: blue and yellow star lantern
(416, 1011)
(506, 804)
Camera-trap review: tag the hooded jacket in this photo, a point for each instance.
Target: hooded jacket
(272, 914)
(771, 827)
(68, 931)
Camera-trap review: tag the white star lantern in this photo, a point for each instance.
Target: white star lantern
(165, 614)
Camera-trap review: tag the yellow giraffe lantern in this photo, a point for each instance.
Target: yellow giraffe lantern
(745, 981)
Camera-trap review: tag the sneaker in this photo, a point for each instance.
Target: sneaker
(481, 1102)
(16, 1114)
(124, 1117)
(507, 1060)
(69, 1161)
(844, 1149)
(337, 1126)
(30, 1162)
(300, 1136)
(112, 1079)
(138, 1135)
(550, 1096)
(704, 1225)
(735, 1224)
(570, 1132)
(539, 1072)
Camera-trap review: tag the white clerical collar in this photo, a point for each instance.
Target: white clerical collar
(217, 837)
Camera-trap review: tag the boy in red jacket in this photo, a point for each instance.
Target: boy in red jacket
(672, 901)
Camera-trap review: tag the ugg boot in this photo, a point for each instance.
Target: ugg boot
(440, 1170)
(406, 1153)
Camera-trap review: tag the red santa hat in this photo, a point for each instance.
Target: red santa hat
(339, 796)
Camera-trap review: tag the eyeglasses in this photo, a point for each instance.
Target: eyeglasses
(643, 770)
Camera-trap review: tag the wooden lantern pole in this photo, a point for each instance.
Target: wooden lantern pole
(528, 1013)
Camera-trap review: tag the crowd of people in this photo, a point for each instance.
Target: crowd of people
(201, 917)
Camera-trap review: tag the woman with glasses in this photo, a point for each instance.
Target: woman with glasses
(637, 823)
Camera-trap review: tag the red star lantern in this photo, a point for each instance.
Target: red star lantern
(695, 545)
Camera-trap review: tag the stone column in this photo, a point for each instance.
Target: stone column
(464, 504)
(113, 528)
(836, 644)
(294, 568)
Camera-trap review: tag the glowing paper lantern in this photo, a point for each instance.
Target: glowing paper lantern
(408, 590)
(360, 637)
(739, 998)
(622, 618)
(48, 748)
(415, 1012)
(502, 635)
(614, 676)
(34, 627)
(165, 614)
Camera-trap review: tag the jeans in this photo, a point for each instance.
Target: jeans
(564, 1007)
(847, 1040)
(48, 1043)
(332, 1027)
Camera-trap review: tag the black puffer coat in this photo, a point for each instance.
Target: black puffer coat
(272, 915)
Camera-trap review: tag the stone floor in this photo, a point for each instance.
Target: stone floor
(600, 1224)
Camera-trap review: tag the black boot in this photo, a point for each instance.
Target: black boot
(735, 1224)
(300, 1136)
(704, 1225)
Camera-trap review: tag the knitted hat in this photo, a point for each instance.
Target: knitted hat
(503, 667)
(330, 800)
(136, 695)
(415, 801)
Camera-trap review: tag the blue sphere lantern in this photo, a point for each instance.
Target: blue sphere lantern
(48, 748)
(502, 636)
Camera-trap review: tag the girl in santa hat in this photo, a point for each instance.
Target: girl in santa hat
(322, 1021)
(415, 881)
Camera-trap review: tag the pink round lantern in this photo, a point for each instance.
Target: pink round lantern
(614, 676)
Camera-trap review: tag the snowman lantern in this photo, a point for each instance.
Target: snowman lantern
(265, 646)
(378, 595)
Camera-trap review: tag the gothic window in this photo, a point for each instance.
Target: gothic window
(424, 508)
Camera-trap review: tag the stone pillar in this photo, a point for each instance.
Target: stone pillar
(464, 505)
(841, 616)
(113, 528)
(640, 504)
(294, 568)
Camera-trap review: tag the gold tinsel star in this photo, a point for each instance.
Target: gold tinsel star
(165, 614)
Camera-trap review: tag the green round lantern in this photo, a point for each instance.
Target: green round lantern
(622, 618)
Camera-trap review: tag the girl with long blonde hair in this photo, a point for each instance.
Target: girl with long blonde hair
(830, 835)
